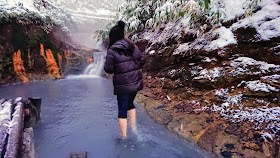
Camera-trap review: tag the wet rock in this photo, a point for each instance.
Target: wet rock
(207, 137)
(39, 64)
(14, 143)
(226, 142)
(227, 154)
(250, 145)
(28, 148)
(157, 111)
(252, 153)
(32, 112)
(246, 34)
(229, 146)
(233, 129)
(266, 150)
(82, 154)
(191, 126)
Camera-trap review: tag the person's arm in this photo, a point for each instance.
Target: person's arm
(109, 63)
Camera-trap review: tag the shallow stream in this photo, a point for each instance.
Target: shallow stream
(81, 115)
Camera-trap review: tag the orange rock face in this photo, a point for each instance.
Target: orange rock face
(90, 60)
(19, 67)
(52, 67)
(42, 51)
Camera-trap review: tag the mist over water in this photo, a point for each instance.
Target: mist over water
(88, 16)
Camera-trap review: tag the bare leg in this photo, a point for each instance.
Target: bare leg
(123, 126)
(132, 119)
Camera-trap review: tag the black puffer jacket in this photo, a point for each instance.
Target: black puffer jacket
(125, 60)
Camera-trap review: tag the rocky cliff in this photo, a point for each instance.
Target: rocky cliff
(219, 88)
(29, 52)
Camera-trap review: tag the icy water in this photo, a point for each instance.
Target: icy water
(81, 115)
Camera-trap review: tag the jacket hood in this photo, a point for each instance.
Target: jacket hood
(123, 45)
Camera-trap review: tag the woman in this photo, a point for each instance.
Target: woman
(124, 60)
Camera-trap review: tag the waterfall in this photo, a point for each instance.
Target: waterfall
(95, 69)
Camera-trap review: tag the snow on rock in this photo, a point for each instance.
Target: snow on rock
(195, 70)
(272, 78)
(157, 36)
(266, 21)
(208, 60)
(211, 75)
(259, 86)
(13, 123)
(171, 30)
(152, 52)
(5, 112)
(246, 65)
(2, 101)
(221, 92)
(260, 116)
(226, 38)
(21, 6)
(232, 108)
(172, 72)
(266, 135)
(18, 99)
(231, 101)
(185, 47)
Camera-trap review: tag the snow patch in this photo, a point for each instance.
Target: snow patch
(240, 84)
(211, 75)
(172, 72)
(208, 60)
(264, 118)
(266, 21)
(272, 78)
(18, 99)
(226, 38)
(257, 86)
(185, 47)
(14, 122)
(152, 52)
(5, 112)
(246, 65)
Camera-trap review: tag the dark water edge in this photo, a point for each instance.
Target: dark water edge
(81, 115)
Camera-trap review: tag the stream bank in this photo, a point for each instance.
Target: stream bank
(218, 89)
(210, 132)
